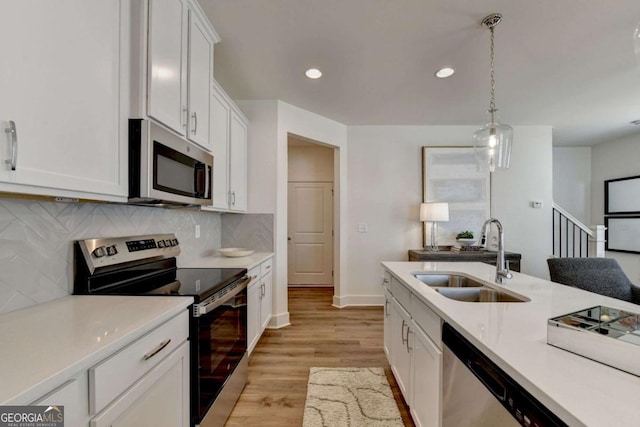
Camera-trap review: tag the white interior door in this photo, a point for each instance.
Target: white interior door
(310, 233)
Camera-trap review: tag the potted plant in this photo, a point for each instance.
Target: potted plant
(465, 238)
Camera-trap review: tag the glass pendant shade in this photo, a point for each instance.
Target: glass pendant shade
(636, 43)
(492, 146)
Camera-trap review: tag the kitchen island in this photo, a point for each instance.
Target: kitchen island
(514, 336)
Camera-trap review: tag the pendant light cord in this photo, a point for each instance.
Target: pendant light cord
(492, 103)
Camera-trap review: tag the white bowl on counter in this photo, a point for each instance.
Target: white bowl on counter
(466, 242)
(235, 252)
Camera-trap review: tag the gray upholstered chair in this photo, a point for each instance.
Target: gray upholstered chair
(602, 276)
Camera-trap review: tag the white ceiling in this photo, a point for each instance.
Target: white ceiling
(565, 63)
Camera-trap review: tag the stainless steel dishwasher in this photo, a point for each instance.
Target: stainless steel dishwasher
(477, 393)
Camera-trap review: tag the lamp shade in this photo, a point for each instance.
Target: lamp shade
(434, 211)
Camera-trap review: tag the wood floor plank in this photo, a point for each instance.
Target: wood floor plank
(319, 335)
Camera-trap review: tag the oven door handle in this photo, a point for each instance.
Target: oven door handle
(206, 307)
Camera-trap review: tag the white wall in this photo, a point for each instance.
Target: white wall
(385, 189)
(610, 160)
(572, 181)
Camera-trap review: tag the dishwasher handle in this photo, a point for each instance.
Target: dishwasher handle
(489, 378)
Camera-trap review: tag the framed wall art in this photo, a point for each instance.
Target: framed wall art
(622, 196)
(449, 174)
(622, 234)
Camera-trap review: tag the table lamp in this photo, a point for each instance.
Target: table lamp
(434, 212)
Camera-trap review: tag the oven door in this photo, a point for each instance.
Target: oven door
(219, 361)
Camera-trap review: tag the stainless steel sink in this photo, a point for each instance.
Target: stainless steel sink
(447, 281)
(483, 294)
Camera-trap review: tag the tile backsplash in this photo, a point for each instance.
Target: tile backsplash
(253, 231)
(36, 253)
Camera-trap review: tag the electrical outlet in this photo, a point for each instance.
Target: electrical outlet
(363, 228)
(197, 231)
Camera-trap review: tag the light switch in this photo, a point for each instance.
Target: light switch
(363, 227)
(536, 204)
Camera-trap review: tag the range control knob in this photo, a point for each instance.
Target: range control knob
(167, 243)
(99, 252)
(111, 250)
(174, 242)
(161, 243)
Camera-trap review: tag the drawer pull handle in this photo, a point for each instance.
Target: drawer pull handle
(157, 350)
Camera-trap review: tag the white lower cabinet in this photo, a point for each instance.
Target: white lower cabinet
(400, 352)
(426, 363)
(387, 322)
(413, 345)
(143, 384)
(72, 395)
(159, 399)
(259, 302)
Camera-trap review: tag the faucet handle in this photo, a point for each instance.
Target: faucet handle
(508, 270)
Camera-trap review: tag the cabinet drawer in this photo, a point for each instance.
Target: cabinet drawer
(428, 320)
(401, 293)
(254, 274)
(386, 280)
(265, 267)
(109, 378)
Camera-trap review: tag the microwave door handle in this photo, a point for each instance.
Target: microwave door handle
(207, 182)
(199, 170)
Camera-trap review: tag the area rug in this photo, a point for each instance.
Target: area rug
(350, 397)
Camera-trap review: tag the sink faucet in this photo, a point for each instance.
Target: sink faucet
(502, 269)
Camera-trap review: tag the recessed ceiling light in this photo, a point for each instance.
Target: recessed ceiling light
(313, 73)
(445, 72)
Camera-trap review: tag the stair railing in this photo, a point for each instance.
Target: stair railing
(571, 238)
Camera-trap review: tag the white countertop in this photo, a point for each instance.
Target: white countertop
(514, 335)
(43, 345)
(219, 261)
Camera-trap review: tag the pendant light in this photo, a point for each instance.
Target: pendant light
(492, 142)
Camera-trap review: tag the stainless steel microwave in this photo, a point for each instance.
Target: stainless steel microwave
(164, 169)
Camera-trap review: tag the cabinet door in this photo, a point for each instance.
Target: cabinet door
(387, 324)
(254, 294)
(400, 355)
(167, 63)
(63, 84)
(238, 164)
(426, 379)
(265, 312)
(159, 399)
(220, 116)
(73, 396)
(200, 75)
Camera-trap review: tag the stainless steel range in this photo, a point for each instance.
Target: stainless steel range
(146, 265)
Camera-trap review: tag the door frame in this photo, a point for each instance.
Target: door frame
(337, 185)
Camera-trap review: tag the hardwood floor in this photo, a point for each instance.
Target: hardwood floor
(319, 335)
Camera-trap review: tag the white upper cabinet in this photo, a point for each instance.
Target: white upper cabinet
(200, 76)
(229, 148)
(179, 43)
(238, 163)
(167, 53)
(64, 89)
(220, 119)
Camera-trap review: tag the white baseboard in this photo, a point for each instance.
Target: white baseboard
(358, 300)
(279, 321)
